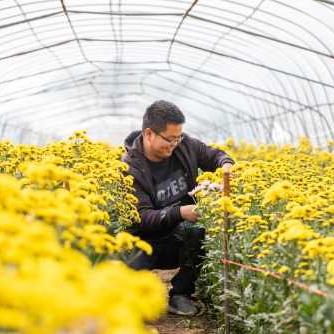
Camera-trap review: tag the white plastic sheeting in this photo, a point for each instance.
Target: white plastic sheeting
(261, 70)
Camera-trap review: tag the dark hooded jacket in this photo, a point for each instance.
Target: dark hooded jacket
(193, 154)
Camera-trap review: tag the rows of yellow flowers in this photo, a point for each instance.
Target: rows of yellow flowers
(61, 209)
(281, 210)
(284, 198)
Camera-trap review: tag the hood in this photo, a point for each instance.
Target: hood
(130, 139)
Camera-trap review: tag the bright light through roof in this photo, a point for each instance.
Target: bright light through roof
(256, 70)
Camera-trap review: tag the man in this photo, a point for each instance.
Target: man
(164, 162)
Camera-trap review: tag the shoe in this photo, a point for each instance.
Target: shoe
(199, 305)
(182, 305)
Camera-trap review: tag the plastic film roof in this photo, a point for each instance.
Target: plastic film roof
(261, 70)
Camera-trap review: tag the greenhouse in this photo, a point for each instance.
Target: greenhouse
(167, 166)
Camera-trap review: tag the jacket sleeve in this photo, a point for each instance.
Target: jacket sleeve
(155, 220)
(209, 158)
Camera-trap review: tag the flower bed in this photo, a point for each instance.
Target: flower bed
(62, 210)
(281, 240)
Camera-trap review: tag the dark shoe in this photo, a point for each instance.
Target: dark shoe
(201, 308)
(182, 305)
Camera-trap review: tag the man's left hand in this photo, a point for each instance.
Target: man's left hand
(227, 167)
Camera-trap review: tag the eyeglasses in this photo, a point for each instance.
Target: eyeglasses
(173, 142)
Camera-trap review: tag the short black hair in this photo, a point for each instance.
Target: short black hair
(161, 112)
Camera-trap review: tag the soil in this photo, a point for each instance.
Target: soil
(175, 324)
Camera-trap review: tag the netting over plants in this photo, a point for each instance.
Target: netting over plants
(259, 69)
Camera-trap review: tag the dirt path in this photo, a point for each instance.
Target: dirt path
(174, 324)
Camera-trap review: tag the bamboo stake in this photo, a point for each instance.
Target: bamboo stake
(225, 253)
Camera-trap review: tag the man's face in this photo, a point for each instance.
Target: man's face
(162, 144)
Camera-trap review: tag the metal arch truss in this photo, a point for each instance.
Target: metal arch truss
(260, 70)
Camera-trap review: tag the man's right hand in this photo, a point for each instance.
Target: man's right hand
(188, 213)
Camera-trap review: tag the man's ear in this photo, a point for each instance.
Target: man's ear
(147, 132)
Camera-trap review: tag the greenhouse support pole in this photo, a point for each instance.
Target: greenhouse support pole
(225, 254)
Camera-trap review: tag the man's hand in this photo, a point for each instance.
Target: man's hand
(227, 167)
(188, 213)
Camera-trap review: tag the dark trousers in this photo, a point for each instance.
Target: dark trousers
(182, 248)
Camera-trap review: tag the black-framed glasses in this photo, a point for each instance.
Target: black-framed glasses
(173, 142)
